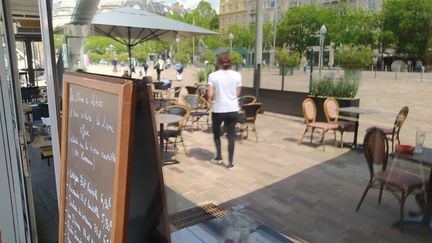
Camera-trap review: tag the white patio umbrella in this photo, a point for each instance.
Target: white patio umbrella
(131, 27)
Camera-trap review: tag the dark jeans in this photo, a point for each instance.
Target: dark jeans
(158, 74)
(230, 120)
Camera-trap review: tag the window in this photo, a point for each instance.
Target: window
(371, 4)
(266, 18)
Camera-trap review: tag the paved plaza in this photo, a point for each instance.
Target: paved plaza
(305, 193)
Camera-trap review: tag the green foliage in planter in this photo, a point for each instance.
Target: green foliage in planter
(209, 56)
(182, 56)
(354, 57)
(236, 57)
(287, 58)
(201, 75)
(209, 69)
(340, 88)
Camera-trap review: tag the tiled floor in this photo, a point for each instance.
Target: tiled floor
(307, 194)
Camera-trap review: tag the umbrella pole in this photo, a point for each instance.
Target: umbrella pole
(129, 47)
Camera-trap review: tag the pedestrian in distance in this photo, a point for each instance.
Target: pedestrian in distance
(223, 91)
(145, 67)
(114, 62)
(179, 70)
(159, 66)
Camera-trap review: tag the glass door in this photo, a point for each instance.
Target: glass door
(14, 216)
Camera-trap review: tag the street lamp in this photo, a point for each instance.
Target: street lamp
(178, 43)
(231, 38)
(322, 32)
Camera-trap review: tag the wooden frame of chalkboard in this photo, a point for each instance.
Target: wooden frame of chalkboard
(100, 217)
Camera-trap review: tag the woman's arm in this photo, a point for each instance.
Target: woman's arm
(210, 93)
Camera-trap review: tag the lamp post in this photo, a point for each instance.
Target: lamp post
(311, 63)
(231, 38)
(178, 44)
(322, 32)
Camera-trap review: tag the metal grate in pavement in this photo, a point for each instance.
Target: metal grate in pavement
(196, 215)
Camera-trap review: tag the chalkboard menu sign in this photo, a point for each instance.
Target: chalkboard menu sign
(96, 133)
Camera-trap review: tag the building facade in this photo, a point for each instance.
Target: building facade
(243, 12)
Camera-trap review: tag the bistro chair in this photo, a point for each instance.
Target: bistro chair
(175, 96)
(400, 183)
(202, 91)
(246, 99)
(173, 135)
(199, 108)
(392, 133)
(249, 113)
(331, 110)
(309, 113)
(191, 89)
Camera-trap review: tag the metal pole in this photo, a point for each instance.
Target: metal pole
(321, 54)
(258, 44)
(193, 44)
(274, 32)
(129, 47)
(45, 8)
(312, 60)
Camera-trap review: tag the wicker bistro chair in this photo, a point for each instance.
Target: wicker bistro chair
(202, 91)
(248, 115)
(175, 96)
(309, 113)
(331, 110)
(191, 89)
(392, 133)
(246, 99)
(199, 108)
(173, 135)
(397, 181)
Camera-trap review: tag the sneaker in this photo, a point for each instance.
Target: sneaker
(230, 166)
(217, 160)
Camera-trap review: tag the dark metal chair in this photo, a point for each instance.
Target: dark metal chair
(392, 133)
(400, 183)
(174, 136)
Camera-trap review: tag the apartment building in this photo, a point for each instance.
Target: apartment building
(243, 12)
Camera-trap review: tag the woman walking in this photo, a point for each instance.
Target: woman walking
(223, 91)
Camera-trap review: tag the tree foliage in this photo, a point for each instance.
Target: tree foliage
(410, 23)
(299, 27)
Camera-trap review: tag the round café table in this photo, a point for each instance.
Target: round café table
(163, 119)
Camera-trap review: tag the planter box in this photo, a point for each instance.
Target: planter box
(290, 102)
(343, 102)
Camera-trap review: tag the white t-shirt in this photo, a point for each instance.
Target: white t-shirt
(225, 83)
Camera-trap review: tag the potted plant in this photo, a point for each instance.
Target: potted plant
(201, 75)
(353, 60)
(287, 61)
(344, 89)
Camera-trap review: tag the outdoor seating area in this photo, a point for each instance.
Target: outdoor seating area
(279, 189)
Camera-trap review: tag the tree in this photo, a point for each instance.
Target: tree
(204, 16)
(300, 26)
(409, 21)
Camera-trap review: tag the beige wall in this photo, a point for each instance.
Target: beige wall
(243, 12)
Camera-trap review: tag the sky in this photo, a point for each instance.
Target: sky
(193, 3)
